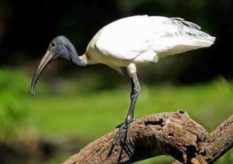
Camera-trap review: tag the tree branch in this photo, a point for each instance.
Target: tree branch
(174, 134)
(220, 141)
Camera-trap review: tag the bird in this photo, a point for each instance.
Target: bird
(126, 43)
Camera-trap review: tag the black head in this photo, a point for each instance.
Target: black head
(59, 47)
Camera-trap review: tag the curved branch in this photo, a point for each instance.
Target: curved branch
(221, 140)
(174, 134)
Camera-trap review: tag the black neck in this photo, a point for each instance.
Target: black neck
(74, 56)
(78, 60)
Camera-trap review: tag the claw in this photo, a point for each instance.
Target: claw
(121, 136)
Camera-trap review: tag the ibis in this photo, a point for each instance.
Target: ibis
(127, 43)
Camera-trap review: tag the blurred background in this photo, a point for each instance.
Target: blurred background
(74, 106)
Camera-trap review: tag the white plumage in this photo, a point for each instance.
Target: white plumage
(126, 43)
(141, 39)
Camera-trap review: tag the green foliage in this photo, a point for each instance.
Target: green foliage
(13, 110)
(73, 110)
(88, 115)
(12, 82)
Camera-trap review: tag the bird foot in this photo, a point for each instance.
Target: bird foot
(124, 124)
(121, 135)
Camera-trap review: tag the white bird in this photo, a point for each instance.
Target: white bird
(127, 42)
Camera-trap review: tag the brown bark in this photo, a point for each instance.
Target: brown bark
(174, 134)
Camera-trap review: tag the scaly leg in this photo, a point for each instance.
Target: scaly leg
(121, 135)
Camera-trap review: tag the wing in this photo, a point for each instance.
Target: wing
(130, 37)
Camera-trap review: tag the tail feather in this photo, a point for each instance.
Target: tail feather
(205, 41)
(193, 32)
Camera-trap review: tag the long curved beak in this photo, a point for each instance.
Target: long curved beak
(43, 63)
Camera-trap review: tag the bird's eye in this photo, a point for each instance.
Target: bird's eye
(52, 44)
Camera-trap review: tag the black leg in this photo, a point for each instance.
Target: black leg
(121, 135)
(135, 89)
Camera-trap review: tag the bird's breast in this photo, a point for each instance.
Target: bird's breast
(95, 56)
